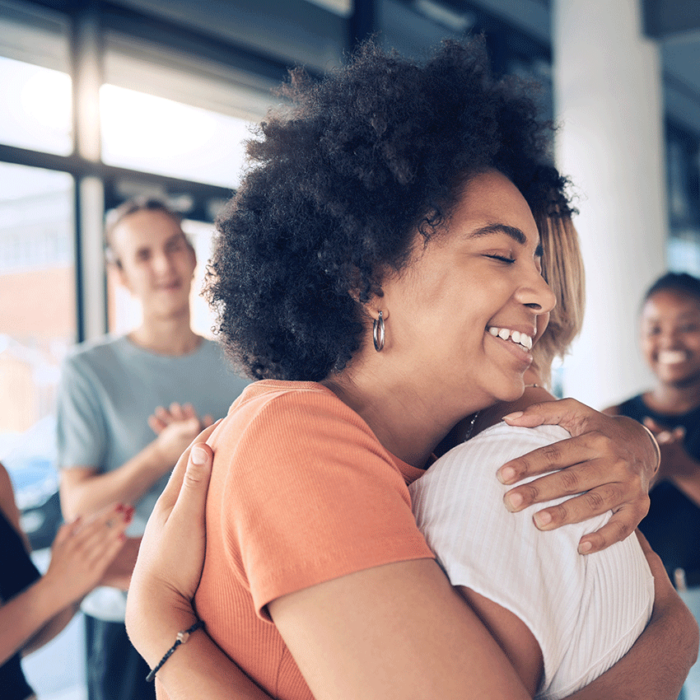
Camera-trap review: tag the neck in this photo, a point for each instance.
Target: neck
(674, 398)
(472, 425)
(408, 420)
(166, 336)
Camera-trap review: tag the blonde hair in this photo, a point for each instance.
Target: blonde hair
(562, 267)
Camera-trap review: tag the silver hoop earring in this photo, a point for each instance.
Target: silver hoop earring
(378, 332)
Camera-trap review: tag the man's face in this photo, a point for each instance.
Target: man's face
(156, 262)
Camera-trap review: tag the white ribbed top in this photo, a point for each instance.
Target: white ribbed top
(584, 611)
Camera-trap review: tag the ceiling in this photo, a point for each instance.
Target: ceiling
(315, 32)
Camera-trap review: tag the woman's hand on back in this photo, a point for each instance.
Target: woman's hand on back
(610, 461)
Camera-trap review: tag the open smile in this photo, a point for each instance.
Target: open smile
(517, 343)
(672, 357)
(516, 337)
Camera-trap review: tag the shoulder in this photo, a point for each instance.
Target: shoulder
(494, 446)
(94, 353)
(283, 438)
(211, 347)
(291, 419)
(515, 436)
(212, 359)
(303, 491)
(634, 407)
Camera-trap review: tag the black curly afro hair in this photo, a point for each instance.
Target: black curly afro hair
(339, 184)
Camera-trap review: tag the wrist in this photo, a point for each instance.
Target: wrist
(49, 596)
(158, 457)
(651, 460)
(159, 640)
(153, 627)
(656, 449)
(182, 637)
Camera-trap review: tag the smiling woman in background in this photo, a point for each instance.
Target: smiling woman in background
(670, 341)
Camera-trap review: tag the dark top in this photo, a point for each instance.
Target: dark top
(673, 523)
(17, 572)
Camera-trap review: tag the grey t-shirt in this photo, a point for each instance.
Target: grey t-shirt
(108, 389)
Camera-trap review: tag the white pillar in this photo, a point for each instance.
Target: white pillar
(608, 100)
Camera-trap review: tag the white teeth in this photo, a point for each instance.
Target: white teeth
(671, 357)
(521, 339)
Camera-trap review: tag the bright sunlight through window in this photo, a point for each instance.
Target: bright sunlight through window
(35, 109)
(160, 136)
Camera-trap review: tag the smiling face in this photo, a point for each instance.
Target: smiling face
(156, 262)
(461, 317)
(671, 337)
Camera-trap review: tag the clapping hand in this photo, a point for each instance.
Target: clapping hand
(675, 461)
(82, 551)
(176, 427)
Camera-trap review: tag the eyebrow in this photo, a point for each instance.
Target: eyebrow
(511, 231)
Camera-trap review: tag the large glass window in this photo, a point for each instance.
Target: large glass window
(37, 325)
(683, 172)
(157, 135)
(35, 110)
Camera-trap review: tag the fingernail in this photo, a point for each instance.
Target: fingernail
(199, 455)
(585, 547)
(542, 519)
(513, 501)
(506, 475)
(513, 416)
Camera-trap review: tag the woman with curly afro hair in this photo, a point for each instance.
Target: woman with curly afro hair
(379, 272)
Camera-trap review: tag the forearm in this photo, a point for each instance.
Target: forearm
(126, 484)
(200, 669)
(658, 663)
(52, 628)
(24, 616)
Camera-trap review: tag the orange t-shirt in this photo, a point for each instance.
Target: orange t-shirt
(301, 492)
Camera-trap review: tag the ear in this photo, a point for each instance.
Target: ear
(374, 307)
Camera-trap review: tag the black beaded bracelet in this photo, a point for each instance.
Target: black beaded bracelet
(181, 638)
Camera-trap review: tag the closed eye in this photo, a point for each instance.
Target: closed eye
(502, 258)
